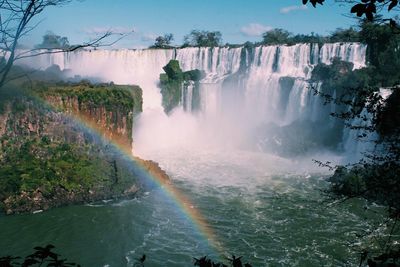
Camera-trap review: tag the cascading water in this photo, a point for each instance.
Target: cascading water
(262, 206)
(140, 67)
(243, 89)
(187, 96)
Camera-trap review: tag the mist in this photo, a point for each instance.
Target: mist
(257, 101)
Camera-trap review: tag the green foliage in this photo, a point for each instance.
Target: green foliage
(350, 87)
(172, 82)
(333, 72)
(193, 75)
(112, 97)
(348, 182)
(30, 164)
(305, 38)
(46, 158)
(376, 182)
(203, 39)
(163, 78)
(389, 116)
(376, 176)
(173, 70)
(171, 94)
(53, 41)
(163, 42)
(355, 87)
(281, 37)
(382, 52)
(116, 99)
(275, 37)
(337, 77)
(344, 35)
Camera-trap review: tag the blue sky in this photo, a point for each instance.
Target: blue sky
(238, 20)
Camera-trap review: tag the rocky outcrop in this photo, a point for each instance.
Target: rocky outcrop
(38, 200)
(58, 146)
(175, 86)
(153, 169)
(106, 108)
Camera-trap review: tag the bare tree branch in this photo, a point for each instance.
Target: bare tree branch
(15, 19)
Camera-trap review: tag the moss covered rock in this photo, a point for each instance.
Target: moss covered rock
(52, 146)
(174, 82)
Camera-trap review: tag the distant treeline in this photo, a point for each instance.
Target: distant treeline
(202, 38)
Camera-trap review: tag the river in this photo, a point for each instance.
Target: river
(267, 209)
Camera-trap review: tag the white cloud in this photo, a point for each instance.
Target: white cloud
(254, 29)
(288, 9)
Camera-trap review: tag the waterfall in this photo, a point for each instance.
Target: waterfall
(217, 62)
(245, 88)
(141, 67)
(354, 141)
(187, 96)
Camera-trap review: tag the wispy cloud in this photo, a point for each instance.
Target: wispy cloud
(288, 9)
(254, 29)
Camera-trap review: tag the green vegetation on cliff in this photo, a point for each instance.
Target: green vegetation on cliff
(113, 106)
(126, 98)
(174, 81)
(49, 158)
(32, 163)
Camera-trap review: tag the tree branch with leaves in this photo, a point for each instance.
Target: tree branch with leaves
(372, 10)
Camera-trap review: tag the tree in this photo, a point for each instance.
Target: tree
(367, 110)
(16, 18)
(303, 38)
(163, 41)
(53, 41)
(345, 35)
(203, 39)
(276, 36)
(281, 36)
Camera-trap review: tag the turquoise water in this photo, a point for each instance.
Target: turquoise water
(266, 209)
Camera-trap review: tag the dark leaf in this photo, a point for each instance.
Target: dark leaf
(371, 8)
(369, 16)
(358, 8)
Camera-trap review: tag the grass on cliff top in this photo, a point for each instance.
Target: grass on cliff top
(109, 95)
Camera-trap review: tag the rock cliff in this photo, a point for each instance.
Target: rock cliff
(63, 143)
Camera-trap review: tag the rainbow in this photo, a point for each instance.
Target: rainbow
(180, 200)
